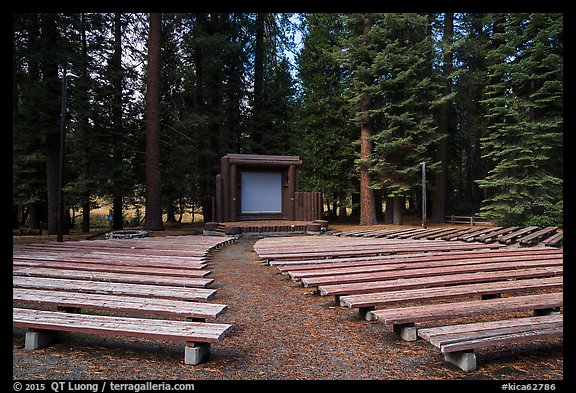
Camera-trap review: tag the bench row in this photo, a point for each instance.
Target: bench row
(168, 284)
(527, 236)
(408, 289)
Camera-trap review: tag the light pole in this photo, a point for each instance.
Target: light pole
(60, 223)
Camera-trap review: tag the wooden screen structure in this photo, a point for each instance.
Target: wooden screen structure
(273, 181)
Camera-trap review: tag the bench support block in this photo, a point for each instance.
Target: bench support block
(36, 339)
(407, 331)
(363, 311)
(465, 360)
(196, 353)
(546, 311)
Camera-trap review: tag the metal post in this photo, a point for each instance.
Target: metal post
(60, 222)
(424, 218)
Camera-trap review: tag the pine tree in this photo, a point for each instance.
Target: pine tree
(325, 135)
(524, 141)
(153, 220)
(404, 92)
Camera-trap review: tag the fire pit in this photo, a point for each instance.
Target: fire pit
(127, 234)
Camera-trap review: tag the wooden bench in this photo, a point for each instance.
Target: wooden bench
(537, 236)
(193, 282)
(555, 240)
(426, 272)
(415, 246)
(420, 263)
(44, 324)
(338, 290)
(368, 302)
(403, 319)
(115, 288)
(195, 311)
(516, 235)
(458, 342)
(111, 268)
(492, 236)
(143, 260)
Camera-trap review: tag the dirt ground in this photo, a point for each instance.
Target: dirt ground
(282, 332)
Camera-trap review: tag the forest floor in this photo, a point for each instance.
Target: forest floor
(281, 331)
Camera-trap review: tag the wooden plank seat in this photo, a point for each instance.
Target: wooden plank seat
(492, 236)
(191, 282)
(416, 264)
(144, 261)
(369, 301)
(537, 236)
(116, 288)
(430, 232)
(311, 264)
(403, 319)
(195, 311)
(458, 342)
(338, 290)
(454, 235)
(555, 240)
(375, 250)
(469, 237)
(442, 233)
(425, 272)
(109, 251)
(516, 235)
(112, 268)
(486, 255)
(197, 335)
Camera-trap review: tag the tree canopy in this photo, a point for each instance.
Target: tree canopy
(477, 97)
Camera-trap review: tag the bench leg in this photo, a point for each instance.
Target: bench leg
(465, 360)
(196, 353)
(407, 331)
(36, 339)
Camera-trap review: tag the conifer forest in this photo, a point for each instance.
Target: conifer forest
(147, 104)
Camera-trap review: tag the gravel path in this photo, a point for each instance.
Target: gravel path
(281, 331)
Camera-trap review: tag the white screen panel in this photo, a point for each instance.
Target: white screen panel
(261, 192)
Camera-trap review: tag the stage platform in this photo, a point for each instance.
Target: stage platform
(265, 227)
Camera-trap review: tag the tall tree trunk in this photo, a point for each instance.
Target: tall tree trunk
(259, 55)
(153, 220)
(51, 88)
(367, 201)
(84, 131)
(446, 115)
(117, 150)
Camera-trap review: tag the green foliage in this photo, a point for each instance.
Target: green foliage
(325, 136)
(524, 140)
(505, 148)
